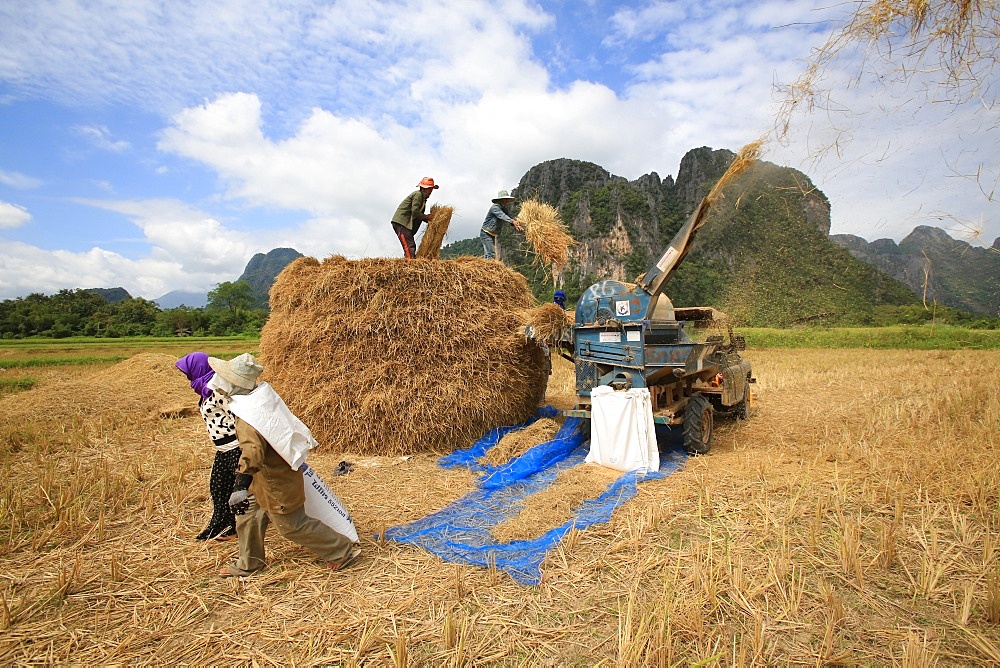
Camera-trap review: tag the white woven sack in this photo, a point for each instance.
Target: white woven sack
(622, 433)
(322, 504)
(265, 411)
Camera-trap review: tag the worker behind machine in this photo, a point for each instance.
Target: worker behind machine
(498, 214)
(560, 298)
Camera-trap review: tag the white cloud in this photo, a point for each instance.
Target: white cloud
(102, 184)
(629, 23)
(190, 239)
(332, 111)
(191, 251)
(18, 181)
(25, 268)
(12, 215)
(100, 136)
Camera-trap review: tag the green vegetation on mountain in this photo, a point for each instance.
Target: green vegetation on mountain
(763, 256)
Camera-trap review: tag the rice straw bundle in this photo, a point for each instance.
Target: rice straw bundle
(437, 227)
(547, 321)
(555, 504)
(392, 356)
(516, 443)
(546, 233)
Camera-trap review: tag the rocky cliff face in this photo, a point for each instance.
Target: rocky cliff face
(936, 267)
(622, 226)
(554, 181)
(262, 269)
(763, 254)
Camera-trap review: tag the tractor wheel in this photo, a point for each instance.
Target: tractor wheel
(698, 425)
(743, 409)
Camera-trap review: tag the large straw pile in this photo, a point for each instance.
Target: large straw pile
(437, 227)
(546, 233)
(144, 387)
(386, 356)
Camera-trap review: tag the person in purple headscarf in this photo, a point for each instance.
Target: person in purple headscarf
(221, 426)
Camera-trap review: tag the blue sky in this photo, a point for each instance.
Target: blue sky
(158, 145)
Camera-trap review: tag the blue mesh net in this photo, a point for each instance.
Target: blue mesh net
(460, 532)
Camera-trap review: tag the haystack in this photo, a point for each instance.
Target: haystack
(437, 227)
(392, 356)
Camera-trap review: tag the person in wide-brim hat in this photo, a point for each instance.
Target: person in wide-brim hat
(267, 490)
(498, 214)
(242, 371)
(410, 214)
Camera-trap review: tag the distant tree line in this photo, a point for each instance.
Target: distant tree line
(80, 312)
(230, 312)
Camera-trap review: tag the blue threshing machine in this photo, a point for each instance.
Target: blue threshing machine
(630, 335)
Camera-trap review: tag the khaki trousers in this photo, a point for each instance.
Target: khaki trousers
(296, 526)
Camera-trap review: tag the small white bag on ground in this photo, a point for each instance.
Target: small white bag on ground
(622, 433)
(322, 504)
(265, 411)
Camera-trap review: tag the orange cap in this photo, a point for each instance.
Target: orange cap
(427, 182)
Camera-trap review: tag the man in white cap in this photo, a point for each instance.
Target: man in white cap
(410, 213)
(498, 214)
(277, 487)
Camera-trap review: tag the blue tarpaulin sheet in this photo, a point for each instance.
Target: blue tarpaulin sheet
(460, 532)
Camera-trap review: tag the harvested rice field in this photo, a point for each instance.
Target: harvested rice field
(853, 519)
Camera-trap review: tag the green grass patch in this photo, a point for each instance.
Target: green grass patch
(10, 385)
(60, 361)
(901, 337)
(19, 353)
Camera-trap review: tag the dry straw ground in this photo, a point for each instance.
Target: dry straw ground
(853, 519)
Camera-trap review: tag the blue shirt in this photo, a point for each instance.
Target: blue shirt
(496, 216)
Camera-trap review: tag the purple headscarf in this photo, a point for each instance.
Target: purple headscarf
(195, 367)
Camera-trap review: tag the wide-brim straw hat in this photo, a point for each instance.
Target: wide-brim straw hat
(242, 371)
(503, 195)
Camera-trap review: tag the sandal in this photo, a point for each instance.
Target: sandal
(351, 558)
(231, 571)
(229, 533)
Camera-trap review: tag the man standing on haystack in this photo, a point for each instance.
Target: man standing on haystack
(410, 213)
(278, 488)
(498, 214)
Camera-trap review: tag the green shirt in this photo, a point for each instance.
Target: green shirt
(411, 210)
